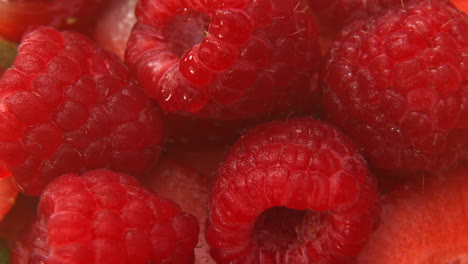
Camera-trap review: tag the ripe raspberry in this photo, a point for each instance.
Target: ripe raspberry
(291, 192)
(425, 224)
(106, 217)
(17, 16)
(225, 59)
(397, 84)
(67, 106)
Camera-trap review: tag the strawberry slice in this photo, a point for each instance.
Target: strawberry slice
(425, 224)
(16, 16)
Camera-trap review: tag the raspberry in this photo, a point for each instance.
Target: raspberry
(423, 224)
(225, 59)
(291, 192)
(107, 217)
(397, 84)
(68, 106)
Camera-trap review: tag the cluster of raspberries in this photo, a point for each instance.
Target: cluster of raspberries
(79, 127)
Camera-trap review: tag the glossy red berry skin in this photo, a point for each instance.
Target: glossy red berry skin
(227, 59)
(291, 192)
(105, 217)
(396, 84)
(68, 106)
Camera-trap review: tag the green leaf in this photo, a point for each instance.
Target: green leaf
(8, 52)
(4, 256)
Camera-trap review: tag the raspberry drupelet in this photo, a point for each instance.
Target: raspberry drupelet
(104, 217)
(225, 59)
(291, 192)
(397, 84)
(68, 106)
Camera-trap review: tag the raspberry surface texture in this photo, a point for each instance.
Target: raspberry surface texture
(106, 217)
(291, 192)
(423, 224)
(398, 85)
(225, 59)
(68, 106)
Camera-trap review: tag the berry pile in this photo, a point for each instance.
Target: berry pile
(233, 131)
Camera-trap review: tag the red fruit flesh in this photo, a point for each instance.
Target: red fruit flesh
(396, 84)
(423, 224)
(291, 192)
(230, 60)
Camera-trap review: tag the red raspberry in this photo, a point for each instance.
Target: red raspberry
(397, 84)
(423, 224)
(67, 106)
(291, 192)
(106, 217)
(224, 59)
